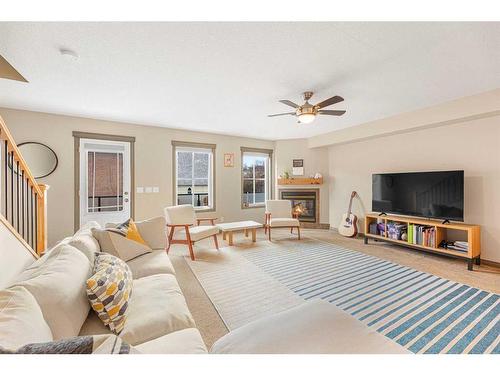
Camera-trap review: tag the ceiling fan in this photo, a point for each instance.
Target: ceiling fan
(7, 71)
(307, 112)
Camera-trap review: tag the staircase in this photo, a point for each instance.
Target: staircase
(23, 202)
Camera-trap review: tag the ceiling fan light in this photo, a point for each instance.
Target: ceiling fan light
(306, 118)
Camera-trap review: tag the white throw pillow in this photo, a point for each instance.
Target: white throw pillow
(21, 320)
(118, 245)
(57, 281)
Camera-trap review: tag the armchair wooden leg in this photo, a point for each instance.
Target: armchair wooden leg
(291, 229)
(191, 251)
(170, 236)
(189, 242)
(216, 242)
(269, 233)
(298, 231)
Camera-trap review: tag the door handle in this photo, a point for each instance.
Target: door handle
(126, 200)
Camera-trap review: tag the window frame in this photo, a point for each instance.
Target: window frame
(193, 147)
(268, 180)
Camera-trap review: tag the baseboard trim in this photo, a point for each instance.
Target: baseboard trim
(490, 263)
(483, 261)
(314, 225)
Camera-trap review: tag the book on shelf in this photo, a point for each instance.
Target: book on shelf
(422, 235)
(461, 246)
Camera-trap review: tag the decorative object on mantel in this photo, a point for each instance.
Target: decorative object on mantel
(300, 181)
(298, 167)
(229, 160)
(286, 175)
(318, 176)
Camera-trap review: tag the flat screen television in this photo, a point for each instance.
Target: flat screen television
(438, 195)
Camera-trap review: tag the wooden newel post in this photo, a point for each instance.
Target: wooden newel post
(41, 243)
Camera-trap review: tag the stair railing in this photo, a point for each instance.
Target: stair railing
(23, 202)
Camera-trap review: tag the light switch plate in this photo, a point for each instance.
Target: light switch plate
(139, 190)
(156, 189)
(149, 189)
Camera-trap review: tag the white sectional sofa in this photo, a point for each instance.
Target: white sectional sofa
(48, 302)
(158, 319)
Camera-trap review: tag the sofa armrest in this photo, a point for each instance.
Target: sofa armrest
(314, 327)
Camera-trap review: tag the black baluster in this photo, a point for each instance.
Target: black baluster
(6, 158)
(17, 195)
(23, 217)
(36, 222)
(31, 217)
(11, 159)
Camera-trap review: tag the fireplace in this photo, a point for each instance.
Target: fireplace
(305, 202)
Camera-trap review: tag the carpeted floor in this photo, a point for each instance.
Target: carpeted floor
(212, 326)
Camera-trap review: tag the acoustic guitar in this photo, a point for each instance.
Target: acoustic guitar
(348, 225)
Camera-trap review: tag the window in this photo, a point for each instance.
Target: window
(193, 176)
(256, 177)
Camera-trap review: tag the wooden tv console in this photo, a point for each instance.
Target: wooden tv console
(472, 234)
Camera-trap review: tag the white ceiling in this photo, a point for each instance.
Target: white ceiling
(226, 77)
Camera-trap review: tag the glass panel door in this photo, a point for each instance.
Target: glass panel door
(104, 181)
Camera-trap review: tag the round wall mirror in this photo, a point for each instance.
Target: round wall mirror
(41, 159)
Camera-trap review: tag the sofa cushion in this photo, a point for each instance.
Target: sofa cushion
(57, 281)
(185, 341)
(109, 290)
(21, 320)
(284, 223)
(153, 263)
(315, 327)
(118, 245)
(156, 308)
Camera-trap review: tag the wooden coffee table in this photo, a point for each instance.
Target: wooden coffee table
(246, 226)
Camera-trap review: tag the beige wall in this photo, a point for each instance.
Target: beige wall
(473, 146)
(315, 160)
(153, 164)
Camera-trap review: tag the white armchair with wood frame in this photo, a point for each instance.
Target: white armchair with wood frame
(279, 215)
(183, 217)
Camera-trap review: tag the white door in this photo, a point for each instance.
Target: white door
(104, 181)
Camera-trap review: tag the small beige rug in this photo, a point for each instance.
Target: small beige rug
(240, 291)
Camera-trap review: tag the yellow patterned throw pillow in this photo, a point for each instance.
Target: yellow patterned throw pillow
(109, 290)
(130, 231)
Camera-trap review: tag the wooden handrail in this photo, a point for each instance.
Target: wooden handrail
(12, 146)
(30, 219)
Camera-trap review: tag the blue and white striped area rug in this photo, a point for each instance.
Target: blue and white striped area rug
(422, 312)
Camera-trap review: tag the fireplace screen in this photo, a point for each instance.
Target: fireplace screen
(303, 203)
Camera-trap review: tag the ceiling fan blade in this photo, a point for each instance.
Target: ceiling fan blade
(331, 113)
(282, 114)
(330, 101)
(290, 103)
(7, 71)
